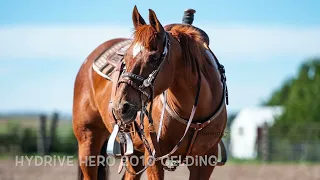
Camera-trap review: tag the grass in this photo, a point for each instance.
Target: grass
(64, 126)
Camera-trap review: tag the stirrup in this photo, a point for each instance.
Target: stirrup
(112, 143)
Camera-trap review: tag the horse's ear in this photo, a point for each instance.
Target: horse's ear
(137, 18)
(154, 22)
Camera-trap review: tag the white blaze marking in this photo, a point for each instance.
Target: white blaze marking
(136, 49)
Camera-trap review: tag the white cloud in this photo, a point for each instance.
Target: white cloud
(74, 42)
(229, 42)
(262, 42)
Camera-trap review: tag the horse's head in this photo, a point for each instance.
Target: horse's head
(148, 67)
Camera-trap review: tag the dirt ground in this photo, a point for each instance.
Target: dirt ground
(9, 171)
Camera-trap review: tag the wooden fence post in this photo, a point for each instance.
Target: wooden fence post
(265, 143)
(42, 135)
(52, 135)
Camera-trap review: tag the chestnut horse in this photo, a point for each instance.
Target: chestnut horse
(176, 57)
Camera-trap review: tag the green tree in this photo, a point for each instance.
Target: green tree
(28, 142)
(280, 96)
(301, 101)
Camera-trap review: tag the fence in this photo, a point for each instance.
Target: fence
(37, 135)
(51, 135)
(300, 145)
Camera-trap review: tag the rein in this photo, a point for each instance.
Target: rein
(148, 83)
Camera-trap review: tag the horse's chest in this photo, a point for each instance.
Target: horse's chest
(204, 140)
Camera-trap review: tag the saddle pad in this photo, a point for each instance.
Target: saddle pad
(106, 63)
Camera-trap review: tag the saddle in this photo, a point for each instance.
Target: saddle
(107, 62)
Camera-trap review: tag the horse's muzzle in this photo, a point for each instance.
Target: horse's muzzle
(126, 112)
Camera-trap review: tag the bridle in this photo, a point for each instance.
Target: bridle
(148, 83)
(145, 83)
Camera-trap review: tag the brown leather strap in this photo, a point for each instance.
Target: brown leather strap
(115, 78)
(192, 141)
(132, 84)
(153, 136)
(199, 126)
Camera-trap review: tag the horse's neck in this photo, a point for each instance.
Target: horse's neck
(182, 94)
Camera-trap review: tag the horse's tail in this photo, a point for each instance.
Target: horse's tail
(103, 169)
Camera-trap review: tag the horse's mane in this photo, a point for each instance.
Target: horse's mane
(191, 42)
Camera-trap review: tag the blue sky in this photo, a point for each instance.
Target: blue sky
(43, 44)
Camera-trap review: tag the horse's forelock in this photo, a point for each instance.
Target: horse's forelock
(145, 35)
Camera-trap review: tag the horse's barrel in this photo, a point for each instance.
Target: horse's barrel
(188, 16)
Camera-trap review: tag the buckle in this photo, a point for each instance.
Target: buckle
(147, 82)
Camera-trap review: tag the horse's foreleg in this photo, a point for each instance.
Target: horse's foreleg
(202, 167)
(90, 143)
(155, 171)
(134, 165)
(200, 172)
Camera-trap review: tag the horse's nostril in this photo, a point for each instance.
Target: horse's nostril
(125, 111)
